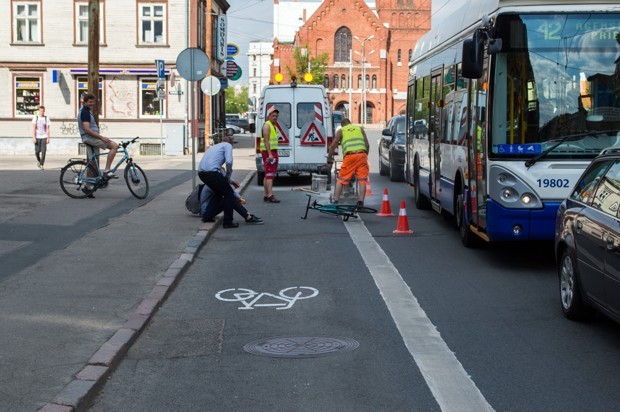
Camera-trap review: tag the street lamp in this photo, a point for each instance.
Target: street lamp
(372, 36)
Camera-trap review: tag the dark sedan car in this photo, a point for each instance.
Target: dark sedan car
(241, 123)
(392, 149)
(588, 241)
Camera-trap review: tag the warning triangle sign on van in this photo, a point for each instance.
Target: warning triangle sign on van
(282, 137)
(313, 134)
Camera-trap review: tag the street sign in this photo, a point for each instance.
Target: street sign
(232, 49)
(224, 82)
(193, 64)
(161, 72)
(238, 75)
(231, 68)
(210, 85)
(220, 37)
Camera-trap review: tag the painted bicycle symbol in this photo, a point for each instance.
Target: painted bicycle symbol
(250, 299)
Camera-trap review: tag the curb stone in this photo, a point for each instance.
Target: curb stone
(83, 389)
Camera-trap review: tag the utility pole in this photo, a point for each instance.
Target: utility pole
(93, 53)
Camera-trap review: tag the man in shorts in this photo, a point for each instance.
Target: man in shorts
(269, 153)
(355, 149)
(89, 131)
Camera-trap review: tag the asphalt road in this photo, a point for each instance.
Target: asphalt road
(439, 327)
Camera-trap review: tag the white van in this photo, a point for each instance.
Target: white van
(304, 128)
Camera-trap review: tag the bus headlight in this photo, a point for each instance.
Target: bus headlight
(511, 191)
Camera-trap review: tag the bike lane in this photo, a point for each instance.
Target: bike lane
(272, 288)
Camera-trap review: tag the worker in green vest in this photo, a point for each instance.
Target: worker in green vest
(355, 150)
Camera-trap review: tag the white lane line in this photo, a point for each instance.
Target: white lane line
(445, 376)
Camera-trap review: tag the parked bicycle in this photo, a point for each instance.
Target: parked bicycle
(336, 209)
(80, 179)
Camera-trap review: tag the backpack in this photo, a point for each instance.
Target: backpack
(192, 203)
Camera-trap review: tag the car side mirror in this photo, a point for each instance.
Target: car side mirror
(252, 127)
(386, 132)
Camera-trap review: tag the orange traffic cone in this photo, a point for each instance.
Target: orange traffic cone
(403, 223)
(368, 189)
(386, 210)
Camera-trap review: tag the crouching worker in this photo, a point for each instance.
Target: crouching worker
(212, 205)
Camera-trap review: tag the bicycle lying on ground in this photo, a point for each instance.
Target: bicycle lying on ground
(336, 209)
(80, 178)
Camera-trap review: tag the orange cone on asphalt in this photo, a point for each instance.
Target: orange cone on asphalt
(386, 210)
(402, 227)
(368, 189)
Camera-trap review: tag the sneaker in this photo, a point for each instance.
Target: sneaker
(110, 174)
(208, 219)
(254, 220)
(271, 199)
(230, 225)
(39, 165)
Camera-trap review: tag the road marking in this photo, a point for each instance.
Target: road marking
(250, 299)
(445, 376)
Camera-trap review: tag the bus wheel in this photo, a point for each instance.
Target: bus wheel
(468, 237)
(421, 201)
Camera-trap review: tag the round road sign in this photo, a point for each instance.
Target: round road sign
(238, 75)
(211, 85)
(193, 64)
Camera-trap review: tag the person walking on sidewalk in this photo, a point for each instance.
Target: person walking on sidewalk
(355, 149)
(269, 152)
(40, 135)
(209, 171)
(89, 131)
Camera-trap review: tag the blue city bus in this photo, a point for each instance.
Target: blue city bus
(507, 103)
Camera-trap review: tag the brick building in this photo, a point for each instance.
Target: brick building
(369, 52)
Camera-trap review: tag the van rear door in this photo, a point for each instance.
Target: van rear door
(311, 125)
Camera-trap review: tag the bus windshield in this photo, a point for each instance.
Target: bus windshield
(557, 75)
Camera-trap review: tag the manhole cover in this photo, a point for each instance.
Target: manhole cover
(300, 347)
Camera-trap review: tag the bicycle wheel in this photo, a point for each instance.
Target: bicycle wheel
(136, 180)
(71, 179)
(355, 208)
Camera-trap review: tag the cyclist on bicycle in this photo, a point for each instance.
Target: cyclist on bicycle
(89, 131)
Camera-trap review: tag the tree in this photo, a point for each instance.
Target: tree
(237, 99)
(303, 60)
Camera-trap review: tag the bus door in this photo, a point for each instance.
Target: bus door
(434, 122)
(477, 151)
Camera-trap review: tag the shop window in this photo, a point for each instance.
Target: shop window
(27, 22)
(81, 23)
(82, 87)
(152, 23)
(27, 95)
(149, 103)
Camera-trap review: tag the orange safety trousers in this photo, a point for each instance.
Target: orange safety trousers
(354, 164)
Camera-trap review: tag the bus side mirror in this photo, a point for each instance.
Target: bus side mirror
(473, 53)
(252, 128)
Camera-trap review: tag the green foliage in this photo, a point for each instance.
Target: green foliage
(303, 60)
(237, 100)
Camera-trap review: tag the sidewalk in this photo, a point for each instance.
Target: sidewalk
(69, 317)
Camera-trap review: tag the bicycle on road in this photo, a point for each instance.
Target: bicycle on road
(80, 179)
(336, 209)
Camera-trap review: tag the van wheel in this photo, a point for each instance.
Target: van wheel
(260, 177)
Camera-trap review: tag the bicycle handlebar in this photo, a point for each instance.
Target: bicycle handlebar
(127, 143)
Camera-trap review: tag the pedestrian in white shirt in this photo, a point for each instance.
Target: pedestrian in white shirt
(40, 135)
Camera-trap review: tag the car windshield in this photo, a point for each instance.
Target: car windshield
(557, 79)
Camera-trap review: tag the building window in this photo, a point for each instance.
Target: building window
(342, 45)
(81, 23)
(254, 72)
(374, 81)
(152, 23)
(343, 81)
(254, 88)
(400, 56)
(367, 81)
(149, 103)
(27, 95)
(82, 87)
(254, 58)
(27, 27)
(359, 81)
(410, 55)
(326, 81)
(335, 81)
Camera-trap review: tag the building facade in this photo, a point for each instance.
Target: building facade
(369, 51)
(260, 58)
(44, 61)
